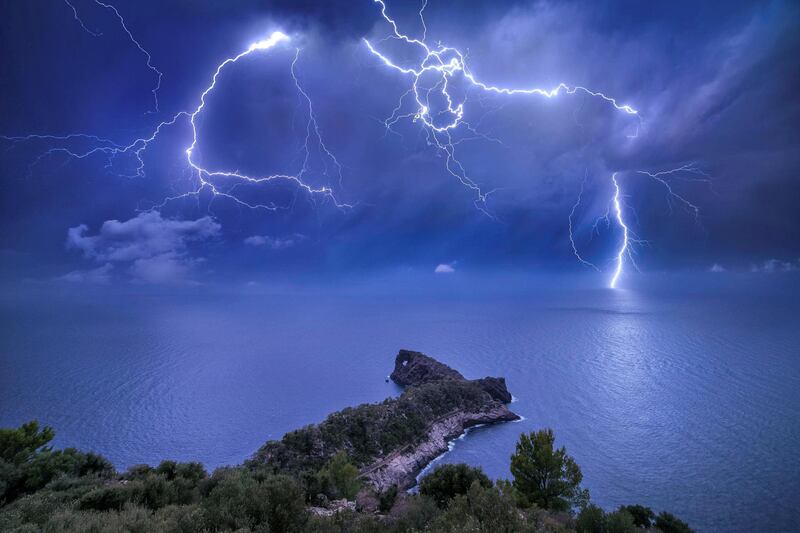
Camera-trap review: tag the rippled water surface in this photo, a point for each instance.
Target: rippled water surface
(676, 395)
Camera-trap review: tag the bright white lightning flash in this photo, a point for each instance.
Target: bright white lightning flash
(623, 249)
(617, 207)
(447, 65)
(207, 178)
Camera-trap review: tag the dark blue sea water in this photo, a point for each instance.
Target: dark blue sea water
(682, 394)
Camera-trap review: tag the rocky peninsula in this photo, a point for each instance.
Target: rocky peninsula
(346, 474)
(393, 441)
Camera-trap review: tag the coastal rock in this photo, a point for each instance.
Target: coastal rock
(402, 467)
(496, 387)
(415, 368)
(393, 441)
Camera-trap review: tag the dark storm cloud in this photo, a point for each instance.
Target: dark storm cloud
(715, 84)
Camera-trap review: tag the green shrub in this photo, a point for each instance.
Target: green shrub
(18, 446)
(286, 509)
(131, 519)
(339, 478)
(669, 523)
(642, 516)
(448, 481)
(483, 509)
(239, 499)
(546, 476)
(113, 497)
(620, 521)
(387, 498)
(591, 519)
(27, 464)
(414, 513)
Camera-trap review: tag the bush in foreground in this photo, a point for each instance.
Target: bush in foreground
(65, 491)
(448, 481)
(545, 476)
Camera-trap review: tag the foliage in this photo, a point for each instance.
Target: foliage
(67, 490)
(642, 516)
(18, 446)
(387, 498)
(239, 499)
(449, 481)
(591, 519)
(339, 478)
(27, 464)
(620, 521)
(669, 523)
(481, 509)
(414, 513)
(546, 476)
(370, 431)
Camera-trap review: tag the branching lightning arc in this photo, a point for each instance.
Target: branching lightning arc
(207, 179)
(159, 75)
(444, 66)
(437, 105)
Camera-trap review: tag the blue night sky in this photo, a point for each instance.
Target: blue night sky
(715, 85)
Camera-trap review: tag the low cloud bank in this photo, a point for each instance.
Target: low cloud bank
(155, 249)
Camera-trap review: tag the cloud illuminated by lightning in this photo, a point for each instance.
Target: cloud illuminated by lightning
(207, 178)
(447, 65)
(437, 104)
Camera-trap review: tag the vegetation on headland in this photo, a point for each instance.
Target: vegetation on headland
(390, 442)
(42, 489)
(370, 431)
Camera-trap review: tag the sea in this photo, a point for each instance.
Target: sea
(677, 391)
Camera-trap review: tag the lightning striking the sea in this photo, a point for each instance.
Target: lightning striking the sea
(448, 66)
(435, 98)
(623, 249)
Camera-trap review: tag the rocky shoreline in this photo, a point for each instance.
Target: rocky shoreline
(392, 442)
(402, 467)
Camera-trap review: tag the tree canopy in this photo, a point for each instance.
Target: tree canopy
(546, 476)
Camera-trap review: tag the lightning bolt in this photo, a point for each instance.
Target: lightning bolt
(623, 249)
(569, 219)
(430, 100)
(159, 75)
(617, 208)
(207, 178)
(80, 21)
(448, 65)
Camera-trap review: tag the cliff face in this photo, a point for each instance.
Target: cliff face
(415, 368)
(401, 467)
(393, 441)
